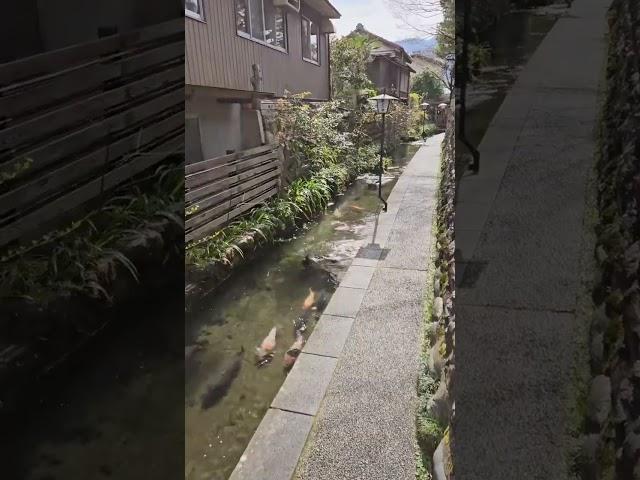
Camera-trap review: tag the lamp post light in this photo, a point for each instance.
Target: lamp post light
(381, 104)
(425, 107)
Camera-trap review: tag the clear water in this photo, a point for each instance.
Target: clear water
(239, 315)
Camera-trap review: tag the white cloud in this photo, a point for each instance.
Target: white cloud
(375, 15)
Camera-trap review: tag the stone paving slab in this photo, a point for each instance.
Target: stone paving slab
(274, 448)
(345, 302)
(329, 336)
(305, 385)
(365, 262)
(357, 276)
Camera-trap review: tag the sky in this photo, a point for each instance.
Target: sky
(375, 15)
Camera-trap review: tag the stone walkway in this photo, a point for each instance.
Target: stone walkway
(352, 393)
(365, 428)
(519, 233)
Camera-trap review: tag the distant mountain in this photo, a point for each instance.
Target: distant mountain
(418, 45)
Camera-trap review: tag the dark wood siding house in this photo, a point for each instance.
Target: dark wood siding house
(241, 51)
(390, 65)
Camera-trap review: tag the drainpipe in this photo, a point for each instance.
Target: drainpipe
(475, 166)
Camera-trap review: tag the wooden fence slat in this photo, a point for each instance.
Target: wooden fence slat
(212, 162)
(90, 190)
(193, 195)
(212, 226)
(52, 181)
(49, 153)
(252, 203)
(201, 216)
(85, 81)
(249, 195)
(43, 63)
(201, 178)
(242, 165)
(205, 176)
(86, 109)
(225, 187)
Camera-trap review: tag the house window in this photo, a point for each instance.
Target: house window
(193, 9)
(260, 20)
(310, 41)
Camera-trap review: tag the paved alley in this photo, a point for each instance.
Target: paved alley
(519, 234)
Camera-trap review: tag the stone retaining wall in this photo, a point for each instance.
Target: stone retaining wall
(611, 446)
(437, 403)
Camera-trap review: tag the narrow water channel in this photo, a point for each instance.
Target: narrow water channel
(224, 329)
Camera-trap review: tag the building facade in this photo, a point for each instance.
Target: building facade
(390, 65)
(241, 51)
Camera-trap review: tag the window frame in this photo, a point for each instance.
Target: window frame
(309, 60)
(248, 35)
(196, 16)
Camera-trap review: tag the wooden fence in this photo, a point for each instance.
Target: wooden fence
(220, 189)
(79, 121)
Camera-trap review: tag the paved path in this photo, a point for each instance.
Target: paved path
(365, 428)
(519, 231)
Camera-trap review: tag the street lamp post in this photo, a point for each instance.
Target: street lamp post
(382, 103)
(424, 107)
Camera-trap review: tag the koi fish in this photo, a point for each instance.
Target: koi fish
(268, 344)
(309, 301)
(292, 354)
(357, 208)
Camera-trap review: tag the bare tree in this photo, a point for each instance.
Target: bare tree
(434, 18)
(422, 16)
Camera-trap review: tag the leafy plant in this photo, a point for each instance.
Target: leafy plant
(86, 256)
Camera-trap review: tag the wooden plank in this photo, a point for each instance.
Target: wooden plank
(54, 180)
(86, 110)
(194, 195)
(85, 80)
(203, 217)
(252, 203)
(49, 153)
(243, 187)
(249, 195)
(210, 200)
(212, 226)
(207, 176)
(200, 178)
(90, 190)
(212, 162)
(243, 165)
(247, 174)
(43, 63)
